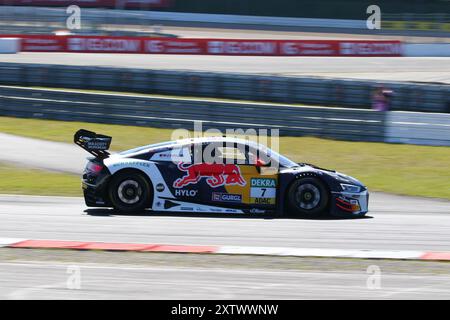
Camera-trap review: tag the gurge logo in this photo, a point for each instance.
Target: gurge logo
(226, 197)
(217, 174)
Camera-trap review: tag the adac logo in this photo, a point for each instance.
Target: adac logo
(216, 174)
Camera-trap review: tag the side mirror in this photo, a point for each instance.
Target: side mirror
(259, 163)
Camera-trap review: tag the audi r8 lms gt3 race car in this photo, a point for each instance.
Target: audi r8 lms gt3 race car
(245, 177)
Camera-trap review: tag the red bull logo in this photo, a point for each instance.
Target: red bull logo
(217, 174)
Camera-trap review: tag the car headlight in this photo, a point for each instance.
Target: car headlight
(350, 188)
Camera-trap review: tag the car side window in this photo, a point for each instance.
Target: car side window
(223, 153)
(176, 154)
(257, 157)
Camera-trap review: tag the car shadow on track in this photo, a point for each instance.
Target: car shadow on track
(111, 213)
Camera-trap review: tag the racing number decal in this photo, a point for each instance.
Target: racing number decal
(263, 190)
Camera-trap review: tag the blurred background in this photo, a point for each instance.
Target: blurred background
(379, 75)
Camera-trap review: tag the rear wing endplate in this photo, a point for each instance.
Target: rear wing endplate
(95, 144)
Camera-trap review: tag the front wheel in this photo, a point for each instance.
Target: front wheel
(308, 197)
(129, 192)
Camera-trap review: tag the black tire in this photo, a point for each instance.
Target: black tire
(130, 192)
(308, 197)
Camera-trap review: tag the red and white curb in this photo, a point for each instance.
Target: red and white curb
(235, 250)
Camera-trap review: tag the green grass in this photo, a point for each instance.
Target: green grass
(16, 180)
(401, 169)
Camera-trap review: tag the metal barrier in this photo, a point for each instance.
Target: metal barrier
(418, 128)
(294, 90)
(335, 123)
(338, 123)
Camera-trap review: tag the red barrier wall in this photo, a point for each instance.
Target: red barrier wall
(108, 44)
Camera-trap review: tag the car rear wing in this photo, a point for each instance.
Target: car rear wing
(95, 144)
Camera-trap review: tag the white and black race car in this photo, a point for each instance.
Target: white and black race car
(244, 177)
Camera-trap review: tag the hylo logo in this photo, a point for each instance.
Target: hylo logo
(185, 193)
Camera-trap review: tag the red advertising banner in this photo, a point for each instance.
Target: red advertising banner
(370, 48)
(237, 47)
(175, 46)
(120, 4)
(309, 48)
(38, 43)
(242, 47)
(104, 44)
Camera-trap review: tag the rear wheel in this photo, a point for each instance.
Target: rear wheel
(308, 197)
(129, 192)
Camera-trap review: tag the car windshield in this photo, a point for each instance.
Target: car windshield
(284, 162)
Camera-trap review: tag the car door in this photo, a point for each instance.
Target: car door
(173, 164)
(262, 177)
(236, 180)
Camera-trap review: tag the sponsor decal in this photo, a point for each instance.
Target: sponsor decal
(178, 46)
(266, 201)
(185, 193)
(243, 47)
(132, 163)
(216, 174)
(160, 187)
(102, 44)
(370, 48)
(251, 47)
(174, 155)
(305, 48)
(255, 210)
(263, 182)
(263, 192)
(226, 197)
(42, 43)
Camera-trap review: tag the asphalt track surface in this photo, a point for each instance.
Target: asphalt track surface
(421, 69)
(219, 278)
(394, 223)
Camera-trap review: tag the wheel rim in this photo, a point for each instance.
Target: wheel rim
(307, 196)
(129, 192)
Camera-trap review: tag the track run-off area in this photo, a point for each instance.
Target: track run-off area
(393, 223)
(421, 69)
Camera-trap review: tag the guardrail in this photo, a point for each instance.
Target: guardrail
(335, 123)
(293, 90)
